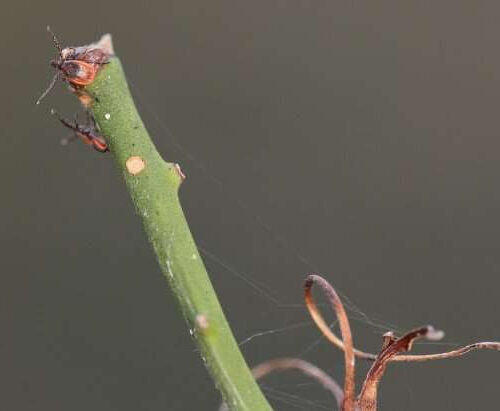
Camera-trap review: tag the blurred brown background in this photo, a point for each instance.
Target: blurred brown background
(358, 139)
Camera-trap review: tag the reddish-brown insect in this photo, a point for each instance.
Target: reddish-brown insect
(87, 133)
(77, 66)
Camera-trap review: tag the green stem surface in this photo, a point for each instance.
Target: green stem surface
(154, 191)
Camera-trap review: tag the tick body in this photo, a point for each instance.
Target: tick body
(77, 66)
(88, 134)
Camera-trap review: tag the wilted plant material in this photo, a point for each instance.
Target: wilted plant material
(391, 348)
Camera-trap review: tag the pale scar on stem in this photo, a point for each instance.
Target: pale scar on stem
(135, 165)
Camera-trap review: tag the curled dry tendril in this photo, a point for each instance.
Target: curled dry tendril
(391, 351)
(392, 348)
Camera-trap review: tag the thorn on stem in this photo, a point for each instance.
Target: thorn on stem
(179, 172)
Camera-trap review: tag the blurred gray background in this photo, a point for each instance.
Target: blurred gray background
(357, 139)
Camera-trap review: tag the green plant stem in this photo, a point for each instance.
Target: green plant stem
(154, 191)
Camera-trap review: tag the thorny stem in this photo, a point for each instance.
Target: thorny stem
(349, 358)
(153, 185)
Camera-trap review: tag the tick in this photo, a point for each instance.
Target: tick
(77, 66)
(88, 133)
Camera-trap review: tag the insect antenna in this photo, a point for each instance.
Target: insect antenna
(50, 87)
(56, 42)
